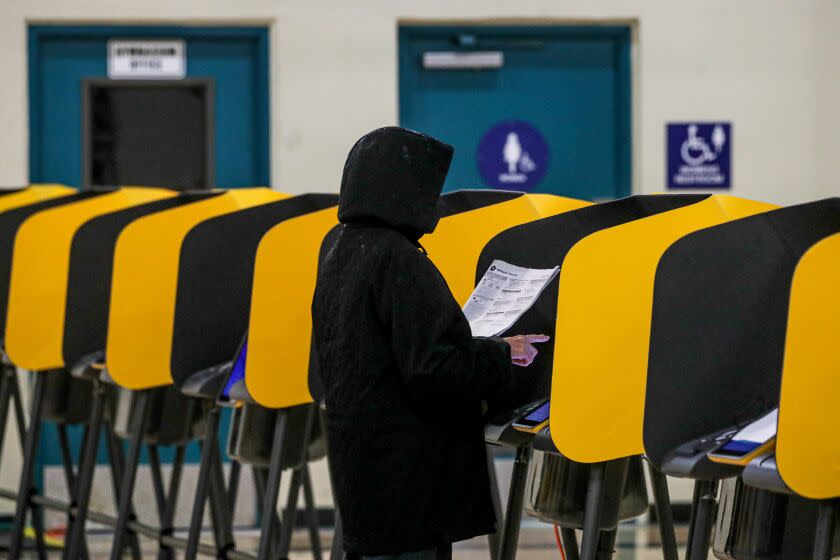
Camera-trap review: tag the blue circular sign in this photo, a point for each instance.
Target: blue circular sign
(513, 155)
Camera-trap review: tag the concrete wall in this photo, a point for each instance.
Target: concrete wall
(769, 66)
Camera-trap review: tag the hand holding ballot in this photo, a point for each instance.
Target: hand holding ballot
(502, 296)
(522, 349)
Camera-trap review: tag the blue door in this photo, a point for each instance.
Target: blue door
(540, 109)
(234, 59)
(62, 57)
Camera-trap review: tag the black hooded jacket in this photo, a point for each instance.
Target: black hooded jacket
(403, 376)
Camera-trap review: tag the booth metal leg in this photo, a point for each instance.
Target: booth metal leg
(26, 488)
(592, 513)
(157, 478)
(71, 483)
(570, 544)
(221, 513)
(337, 545)
(664, 514)
(260, 476)
(272, 485)
(516, 497)
(825, 530)
(233, 485)
(5, 398)
(606, 544)
(493, 539)
(167, 520)
(76, 547)
(208, 448)
(311, 514)
(116, 459)
(702, 519)
(139, 416)
(289, 517)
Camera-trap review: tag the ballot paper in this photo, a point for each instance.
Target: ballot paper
(503, 294)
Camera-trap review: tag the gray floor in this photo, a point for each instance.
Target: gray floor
(635, 542)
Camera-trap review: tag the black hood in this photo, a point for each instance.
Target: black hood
(394, 177)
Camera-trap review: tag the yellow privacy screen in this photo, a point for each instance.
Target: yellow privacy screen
(807, 445)
(40, 265)
(603, 327)
(32, 195)
(145, 281)
(281, 321)
(457, 241)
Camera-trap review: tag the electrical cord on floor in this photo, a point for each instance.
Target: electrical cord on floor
(559, 542)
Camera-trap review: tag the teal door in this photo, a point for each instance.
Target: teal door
(233, 59)
(540, 109)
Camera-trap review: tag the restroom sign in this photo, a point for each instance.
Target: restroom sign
(147, 59)
(699, 155)
(513, 155)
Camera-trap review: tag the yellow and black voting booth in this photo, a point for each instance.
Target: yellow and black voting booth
(678, 323)
(731, 328)
(165, 341)
(35, 310)
(586, 474)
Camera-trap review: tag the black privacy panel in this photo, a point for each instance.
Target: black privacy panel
(544, 244)
(89, 277)
(215, 277)
(720, 306)
(10, 221)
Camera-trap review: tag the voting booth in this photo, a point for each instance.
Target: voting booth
(218, 259)
(163, 335)
(786, 499)
(597, 312)
(272, 370)
(35, 320)
(720, 319)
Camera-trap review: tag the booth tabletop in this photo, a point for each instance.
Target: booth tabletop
(808, 443)
(40, 265)
(604, 313)
(144, 286)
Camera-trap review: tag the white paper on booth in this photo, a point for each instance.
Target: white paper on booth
(503, 295)
(760, 431)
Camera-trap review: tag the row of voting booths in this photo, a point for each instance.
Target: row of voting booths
(678, 324)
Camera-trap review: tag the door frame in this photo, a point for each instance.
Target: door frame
(621, 32)
(36, 33)
(209, 120)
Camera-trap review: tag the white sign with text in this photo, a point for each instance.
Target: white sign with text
(131, 59)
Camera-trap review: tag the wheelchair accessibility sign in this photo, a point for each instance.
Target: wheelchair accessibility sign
(699, 155)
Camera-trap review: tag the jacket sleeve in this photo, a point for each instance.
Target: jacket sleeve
(431, 339)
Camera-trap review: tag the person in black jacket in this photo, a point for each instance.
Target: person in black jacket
(404, 378)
